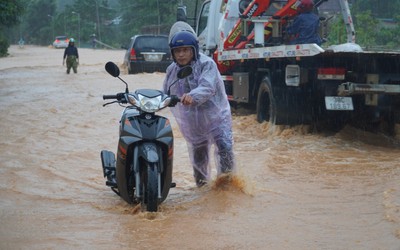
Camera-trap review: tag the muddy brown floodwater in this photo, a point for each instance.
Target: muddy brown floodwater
(295, 189)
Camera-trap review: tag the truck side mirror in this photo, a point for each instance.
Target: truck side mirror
(181, 14)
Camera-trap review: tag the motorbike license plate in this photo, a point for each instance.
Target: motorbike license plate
(338, 103)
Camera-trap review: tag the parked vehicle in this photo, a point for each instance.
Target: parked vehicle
(327, 87)
(61, 42)
(148, 53)
(142, 172)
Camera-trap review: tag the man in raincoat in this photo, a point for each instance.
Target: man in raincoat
(304, 28)
(72, 56)
(204, 115)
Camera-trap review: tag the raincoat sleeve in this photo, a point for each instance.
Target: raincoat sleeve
(207, 83)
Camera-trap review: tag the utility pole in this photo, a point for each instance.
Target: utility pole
(158, 6)
(98, 20)
(79, 28)
(65, 25)
(52, 24)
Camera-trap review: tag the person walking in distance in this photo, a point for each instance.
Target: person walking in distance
(204, 115)
(72, 57)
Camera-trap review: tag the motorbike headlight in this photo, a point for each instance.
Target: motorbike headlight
(149, 104)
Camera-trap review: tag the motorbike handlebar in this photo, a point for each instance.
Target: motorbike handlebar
(174, 100)
(119, 97)
(105, 97)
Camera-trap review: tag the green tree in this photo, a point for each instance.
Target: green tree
(337, 31)
(39, 22)
(366, 26)
(369, 23)
(381, 9)
(87, 17)
(369, 29)
(138, 15)
(149, 16)
(10, 11)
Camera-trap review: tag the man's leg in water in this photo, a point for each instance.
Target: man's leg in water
(75, 67)
(69, 64)
(199, 158)
(224, 156)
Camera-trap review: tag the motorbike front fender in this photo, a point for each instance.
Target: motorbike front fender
(149, 152)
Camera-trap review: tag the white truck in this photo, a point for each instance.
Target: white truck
(302, 83)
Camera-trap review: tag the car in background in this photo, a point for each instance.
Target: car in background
(148, 53)
(61, 42)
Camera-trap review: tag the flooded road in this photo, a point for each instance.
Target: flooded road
(296, 190)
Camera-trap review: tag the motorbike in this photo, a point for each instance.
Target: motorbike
(141, 172)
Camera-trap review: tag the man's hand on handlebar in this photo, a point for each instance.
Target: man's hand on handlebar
(186, 99)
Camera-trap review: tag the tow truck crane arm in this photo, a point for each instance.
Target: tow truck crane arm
(256, 8)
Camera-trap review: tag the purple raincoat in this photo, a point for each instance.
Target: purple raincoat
(208, 120)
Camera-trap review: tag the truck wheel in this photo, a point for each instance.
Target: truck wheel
(266, 105)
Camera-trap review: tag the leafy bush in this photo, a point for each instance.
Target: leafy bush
(3, 46)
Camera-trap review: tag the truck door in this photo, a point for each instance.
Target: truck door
(207, 25)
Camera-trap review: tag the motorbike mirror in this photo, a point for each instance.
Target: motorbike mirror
(112, 69)
(184, 72)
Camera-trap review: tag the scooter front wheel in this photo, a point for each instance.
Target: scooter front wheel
(152, 188)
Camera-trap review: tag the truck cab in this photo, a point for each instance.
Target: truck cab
(207, 25)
